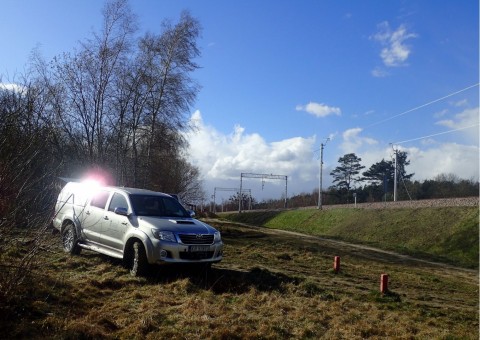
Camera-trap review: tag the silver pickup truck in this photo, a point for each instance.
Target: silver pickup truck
(142, 227)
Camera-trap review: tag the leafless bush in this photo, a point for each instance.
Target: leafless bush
(24, 223)
(27, 186)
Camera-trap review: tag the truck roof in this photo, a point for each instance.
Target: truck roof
(137, 191)
(130, 191)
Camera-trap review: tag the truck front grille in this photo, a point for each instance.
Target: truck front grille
(196, 238)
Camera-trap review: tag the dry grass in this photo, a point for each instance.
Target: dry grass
(269, 286)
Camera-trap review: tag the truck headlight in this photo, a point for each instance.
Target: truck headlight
(217, 237)
(164, 235)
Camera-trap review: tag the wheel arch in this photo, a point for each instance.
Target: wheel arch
(142, 238)
(66, 222)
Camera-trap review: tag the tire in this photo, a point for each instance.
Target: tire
(70, 240)
(138, 263)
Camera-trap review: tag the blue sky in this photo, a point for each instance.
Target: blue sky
(279, 77)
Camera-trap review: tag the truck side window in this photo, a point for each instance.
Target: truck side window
(118, 201)
(99, 200)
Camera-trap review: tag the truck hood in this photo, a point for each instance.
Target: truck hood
(185, 225)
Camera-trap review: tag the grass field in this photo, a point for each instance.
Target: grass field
(447, 234)
(270, 286)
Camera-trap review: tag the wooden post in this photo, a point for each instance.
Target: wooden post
(383, 283)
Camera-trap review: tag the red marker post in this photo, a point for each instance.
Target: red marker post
(383, 283)
(336, 264)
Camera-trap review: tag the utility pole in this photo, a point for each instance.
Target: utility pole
(395, 178)
(320, 175)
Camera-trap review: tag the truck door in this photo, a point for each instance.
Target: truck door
(95, 218)
(115, 225)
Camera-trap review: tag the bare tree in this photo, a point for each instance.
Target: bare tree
(153, 96)
(84, 82)
(169, 60)
(113, 99)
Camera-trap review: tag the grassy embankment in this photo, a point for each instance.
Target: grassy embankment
(447, 234)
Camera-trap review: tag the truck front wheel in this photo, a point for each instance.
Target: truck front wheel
(138, 263)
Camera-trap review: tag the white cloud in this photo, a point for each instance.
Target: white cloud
(12, 87)
(431, 159)
(428, 141)
(319, 110)
(332, 136)
(440, 114)
(379, 72)
(395, 51)
(352, 141)
(462, 102)
(465, 118)
(221, 158)
(461, 160)
(468, 120)
(428, 160)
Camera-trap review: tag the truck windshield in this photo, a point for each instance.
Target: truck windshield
(162, 206)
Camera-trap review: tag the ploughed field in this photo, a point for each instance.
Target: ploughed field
(270, 285)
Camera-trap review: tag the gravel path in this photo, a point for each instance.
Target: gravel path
(442, 202)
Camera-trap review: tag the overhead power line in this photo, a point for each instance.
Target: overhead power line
(436, 134)
(423, 105)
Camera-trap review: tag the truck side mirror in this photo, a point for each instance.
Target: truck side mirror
(121, 211)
